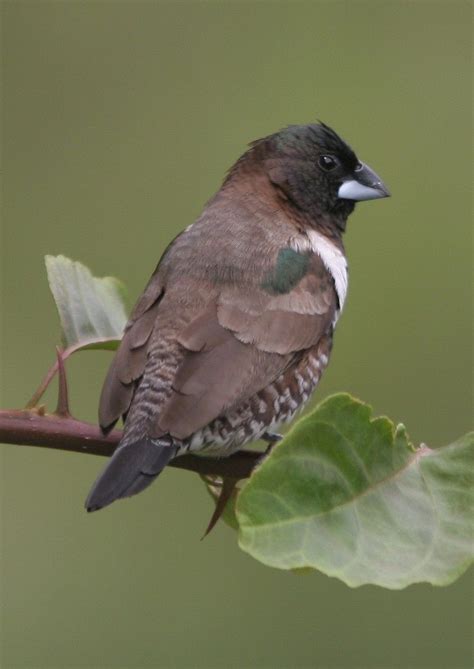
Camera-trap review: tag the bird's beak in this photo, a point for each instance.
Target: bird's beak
(364, 185)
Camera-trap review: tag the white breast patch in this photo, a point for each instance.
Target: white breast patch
(332, 257)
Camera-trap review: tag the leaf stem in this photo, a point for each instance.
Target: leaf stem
(48, 377)
(62, 408)
(65, 354)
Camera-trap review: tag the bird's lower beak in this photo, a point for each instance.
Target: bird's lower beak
(365, 185)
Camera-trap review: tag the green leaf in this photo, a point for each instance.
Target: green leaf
(350, 496)
(91, 310)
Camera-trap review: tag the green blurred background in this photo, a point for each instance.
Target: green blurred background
(120, 120)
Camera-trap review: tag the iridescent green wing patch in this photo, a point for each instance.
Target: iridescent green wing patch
(290, 268)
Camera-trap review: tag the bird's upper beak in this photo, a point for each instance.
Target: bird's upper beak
(364, 184)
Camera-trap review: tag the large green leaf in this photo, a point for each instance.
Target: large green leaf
(350, 496)
(91, 309)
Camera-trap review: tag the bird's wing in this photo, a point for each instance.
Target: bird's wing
(129, 362)
(242, 341)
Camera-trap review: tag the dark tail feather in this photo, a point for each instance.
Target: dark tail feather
(130, 470)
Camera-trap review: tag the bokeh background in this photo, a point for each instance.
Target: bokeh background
(120, 119)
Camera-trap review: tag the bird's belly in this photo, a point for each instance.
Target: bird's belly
(265, 411)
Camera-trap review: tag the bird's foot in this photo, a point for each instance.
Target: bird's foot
(271, 438)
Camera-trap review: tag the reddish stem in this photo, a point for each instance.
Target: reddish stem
(65, 353)
(32, 428)
(62, 408)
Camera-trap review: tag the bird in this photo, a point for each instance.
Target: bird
(235, 326)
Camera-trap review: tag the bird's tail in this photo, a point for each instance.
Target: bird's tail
(130, 470)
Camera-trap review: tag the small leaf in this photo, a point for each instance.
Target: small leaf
(91, 310)
(350, 496)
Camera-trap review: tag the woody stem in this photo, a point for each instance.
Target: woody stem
(62, 432)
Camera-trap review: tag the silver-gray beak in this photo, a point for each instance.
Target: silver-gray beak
(365, 185)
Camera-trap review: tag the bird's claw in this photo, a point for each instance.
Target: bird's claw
(271, 438)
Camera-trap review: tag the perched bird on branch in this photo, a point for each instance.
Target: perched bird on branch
(235, 327)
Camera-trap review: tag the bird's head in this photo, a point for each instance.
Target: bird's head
(317, 171)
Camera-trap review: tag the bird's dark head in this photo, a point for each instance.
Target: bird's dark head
(317, 171)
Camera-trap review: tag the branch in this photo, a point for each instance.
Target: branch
(64, 433)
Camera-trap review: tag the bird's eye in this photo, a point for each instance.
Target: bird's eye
(328, 163)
